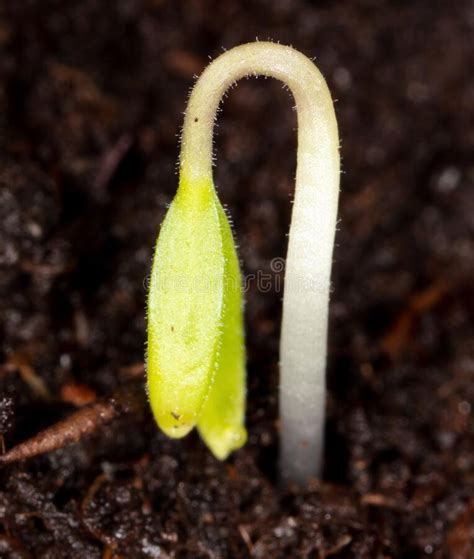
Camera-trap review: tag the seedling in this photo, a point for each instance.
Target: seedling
(196, 369)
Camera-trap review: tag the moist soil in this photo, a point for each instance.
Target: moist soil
(91, 97)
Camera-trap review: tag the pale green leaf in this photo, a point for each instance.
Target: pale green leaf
(195, 366)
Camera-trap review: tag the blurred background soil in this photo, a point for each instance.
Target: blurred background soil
(91, 101)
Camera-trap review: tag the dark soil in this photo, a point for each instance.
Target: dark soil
(91, 99)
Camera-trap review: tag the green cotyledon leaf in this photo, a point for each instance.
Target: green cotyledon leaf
(195, 365)
(221, 424)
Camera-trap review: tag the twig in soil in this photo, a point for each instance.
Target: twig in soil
(46, 269)
(110, 162)
(21, 363)
(69, 430)
(137, 370)
(77, 394)
(96, 484)
(396, 339)
(379, 500)
(342, 542)
(246, 537)
(90, 494)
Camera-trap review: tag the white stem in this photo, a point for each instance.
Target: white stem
(311, 239)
